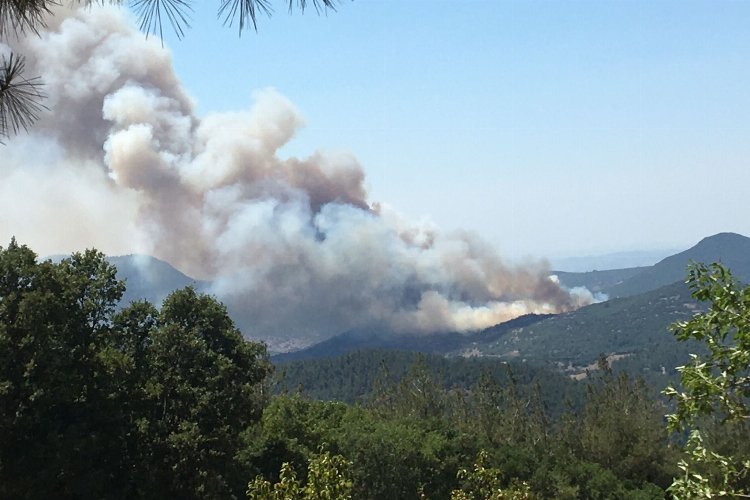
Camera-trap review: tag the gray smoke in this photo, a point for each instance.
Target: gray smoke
(293, 246)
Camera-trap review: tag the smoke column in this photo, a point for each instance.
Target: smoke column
(292, 245)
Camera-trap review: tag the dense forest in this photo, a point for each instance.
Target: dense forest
(99, 401)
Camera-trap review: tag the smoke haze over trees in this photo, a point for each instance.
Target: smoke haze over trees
(293, 244)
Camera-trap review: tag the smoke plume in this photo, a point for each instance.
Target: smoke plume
(293, 246)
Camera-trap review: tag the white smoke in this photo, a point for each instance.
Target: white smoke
(293, 246)
(581, 295)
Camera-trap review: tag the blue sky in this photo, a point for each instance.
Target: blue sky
(550, 128)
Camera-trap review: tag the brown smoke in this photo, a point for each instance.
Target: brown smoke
(292, 245)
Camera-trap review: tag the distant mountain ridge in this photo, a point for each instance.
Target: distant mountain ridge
(731, 249)
(434, 343)
(598, 281)
(635, 325)
(149, 278)
(146, 277)
(632, 330)
(616, 260)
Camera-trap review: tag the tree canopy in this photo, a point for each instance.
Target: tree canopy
(102, 400)
(715, 387)
(152, 400)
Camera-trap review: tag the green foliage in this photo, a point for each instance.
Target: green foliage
(413, 437)
(634, 327)
(485, 483)
(58, 362)
(724, 479)
(288, 487)
(718, 383)
(153, 401)
(577, 478)
(507, 415)
(390, 456)
(203, 387)
(328, 478)
(172, 403)
(365, 375)
(416, 395)
(621, 429)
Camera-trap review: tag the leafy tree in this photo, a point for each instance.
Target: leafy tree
(203, 387)
(717, 384)
(413, 437)
(154, 402)
(485, 483)
(621, 428)
(292, 430)
(391, 456)
(60, 404)
(21, 97)
(416, 395)
(328, 478)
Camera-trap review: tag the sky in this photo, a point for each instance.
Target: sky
(551, 129)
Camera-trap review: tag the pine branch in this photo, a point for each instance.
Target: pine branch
(152, 13)
(20, 98)
(246, 10)
(319, 5)
(22, 16)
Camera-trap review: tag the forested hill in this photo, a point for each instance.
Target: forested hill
(357, 375)
(633, 329)
(731, 249)
(172, 402)
(598, 281)
(152, 279)
(436, 343)
(146, 277)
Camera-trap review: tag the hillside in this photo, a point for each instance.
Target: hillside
(633, 326)
(633, 329)
(354, 376)
(150, 278)
(436, 343)
(729, 248)
(733, 250)
(598, 281)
